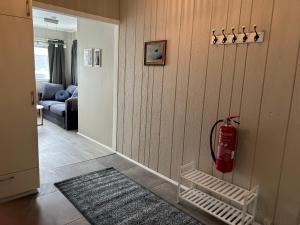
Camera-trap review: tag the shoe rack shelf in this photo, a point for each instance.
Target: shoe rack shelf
(221, 199)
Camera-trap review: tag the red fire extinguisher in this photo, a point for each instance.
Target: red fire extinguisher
(226, 144)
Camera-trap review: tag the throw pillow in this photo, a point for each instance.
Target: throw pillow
(62, 96)
(49, 91)
(71, 89)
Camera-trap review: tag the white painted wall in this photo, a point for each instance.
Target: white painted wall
(96, 85)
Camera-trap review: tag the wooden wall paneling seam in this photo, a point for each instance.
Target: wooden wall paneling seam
(157, 88)
(274, 116)
(129, 78)
(143, 78)
(182, 77)
(150, 84)
(175, 89)
(125, 75)
(228, 68)
(197, 77)
(251, 95)
(147, 24)
(241, 58)
(212, 87)
(239, 74)
(288, 198)
(139, 61)
(215, 172)
(187, 95)
(205, 86)
(172, 35)
(162, 88)
(121, 75)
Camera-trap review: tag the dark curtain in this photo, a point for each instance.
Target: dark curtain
(74, 69)
(57, 64)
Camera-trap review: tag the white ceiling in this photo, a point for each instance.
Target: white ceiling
(66, 23)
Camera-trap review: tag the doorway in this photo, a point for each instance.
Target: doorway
(78, 127)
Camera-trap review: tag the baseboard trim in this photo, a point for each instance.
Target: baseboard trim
(96, 142)
(150, 170)
(139, 164)
(131, 160)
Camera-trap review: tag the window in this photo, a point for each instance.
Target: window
(41, 63)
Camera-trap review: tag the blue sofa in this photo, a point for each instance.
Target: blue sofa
(60, 106)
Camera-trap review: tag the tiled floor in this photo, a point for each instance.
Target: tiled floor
(50, 207)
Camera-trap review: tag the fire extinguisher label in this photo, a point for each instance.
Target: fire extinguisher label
(232, 155)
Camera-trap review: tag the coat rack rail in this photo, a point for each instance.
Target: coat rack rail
(218, 39)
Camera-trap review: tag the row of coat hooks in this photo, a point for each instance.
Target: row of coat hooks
(237, 38)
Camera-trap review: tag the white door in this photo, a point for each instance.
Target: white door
(19, 8)
(18, 130)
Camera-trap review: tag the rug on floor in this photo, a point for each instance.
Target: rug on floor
(108, 197)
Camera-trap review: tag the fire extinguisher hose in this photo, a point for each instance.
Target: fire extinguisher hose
(211, 139)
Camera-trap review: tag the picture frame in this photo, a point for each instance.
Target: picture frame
(88, 57)
(155, 53)
(97, 57)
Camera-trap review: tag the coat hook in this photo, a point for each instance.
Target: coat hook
(215, 37)
(256, 37)
(234, 35)
(245, 35)
(224, 36)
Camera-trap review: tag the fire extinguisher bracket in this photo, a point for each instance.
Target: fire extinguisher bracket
(203, 183)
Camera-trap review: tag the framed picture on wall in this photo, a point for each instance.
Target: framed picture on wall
(88, 57)
(155, 53)
(97, 57)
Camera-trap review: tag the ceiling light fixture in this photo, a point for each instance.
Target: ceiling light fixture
(50, 20)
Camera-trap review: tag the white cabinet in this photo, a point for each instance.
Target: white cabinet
(19, 8)
(18, 131)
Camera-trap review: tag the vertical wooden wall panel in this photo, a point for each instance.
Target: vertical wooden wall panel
(228, 67)
(199, 52)
(214, 70)
(239, 72)
(182, 77)
(288, 205)
(171, 109)
(157, 87)
(279, 80)
(251, 95)
(129, 77)
(139, 61)
(240, 60)
(150, 85)
(144, 86)
(121, 75)
(169, 85)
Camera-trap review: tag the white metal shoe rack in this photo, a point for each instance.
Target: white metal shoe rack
(233, 205)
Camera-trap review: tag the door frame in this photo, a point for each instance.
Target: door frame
(115, 22)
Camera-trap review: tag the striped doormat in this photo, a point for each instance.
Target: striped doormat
(108, 197)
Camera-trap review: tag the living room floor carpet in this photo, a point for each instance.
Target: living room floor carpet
(108, 197)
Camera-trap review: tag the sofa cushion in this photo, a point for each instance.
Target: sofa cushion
(62, 95)
(48, 103)
(50, 90)
(71, 89)
(58, 109)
